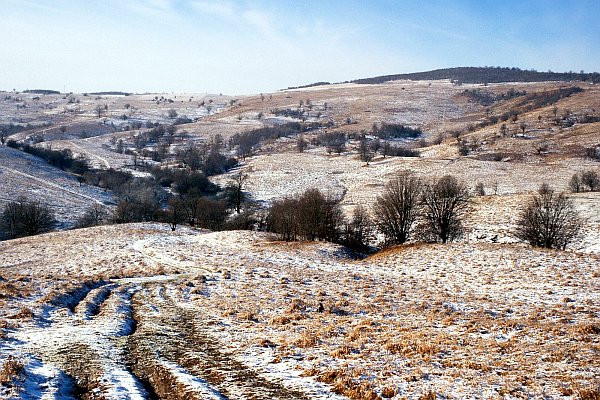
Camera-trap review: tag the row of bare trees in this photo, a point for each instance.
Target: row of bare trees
(411, 208)
(409, 204)
(434, 211)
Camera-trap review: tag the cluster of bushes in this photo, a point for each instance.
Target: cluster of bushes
(62, 159)
(433, 209)
(528, 103)
(486, 98)
(25, 217)
(334, 142)
(593, 152)
(207, 159)
(311, 216)
(297, 113)
(482, 97)
(247, 141)
(395, 131)
(413, 209)
(542, 99)
(585, 181)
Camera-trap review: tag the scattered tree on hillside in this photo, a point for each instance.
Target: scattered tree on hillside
(100, 109)
(397, 209)
(364, 150)
(301, 144)
(235, 190)
(479, 189)
(175, 213)
(25, 217)
(548, 220)
(445, 204)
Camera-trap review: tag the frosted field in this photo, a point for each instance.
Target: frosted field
(136, 311)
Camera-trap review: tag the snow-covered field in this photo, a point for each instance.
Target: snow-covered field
(137, 311)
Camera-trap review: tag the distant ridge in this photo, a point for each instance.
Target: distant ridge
(486, 75)
(41, 91)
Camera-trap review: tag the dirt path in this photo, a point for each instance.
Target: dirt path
(89, 153)
(190, 364)
(130, 339)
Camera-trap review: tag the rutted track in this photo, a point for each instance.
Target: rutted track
(128, 339)
(171, 350)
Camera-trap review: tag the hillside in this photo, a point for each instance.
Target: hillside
(24, 175)
(265, 319)
(138, 310)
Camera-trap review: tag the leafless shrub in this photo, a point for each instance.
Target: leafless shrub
(479, 189)
(311, 216)
(389, 391)
(25, 217)
(396, 210)
(548, 220)
(445, 204)
(96, 214)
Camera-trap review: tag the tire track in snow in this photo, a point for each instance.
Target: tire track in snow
(171, 349)
(88, 343)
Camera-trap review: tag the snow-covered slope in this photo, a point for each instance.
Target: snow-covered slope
(24, 175)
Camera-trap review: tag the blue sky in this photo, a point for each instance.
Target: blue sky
(243, 47)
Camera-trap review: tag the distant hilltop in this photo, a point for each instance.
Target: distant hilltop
(486, 75)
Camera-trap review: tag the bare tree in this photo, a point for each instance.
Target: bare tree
(25, 218)
(585, 180)
(445, 204)
(235, 190)
(549, 220)
(282, 219)
(301, 144)
(575, 183)
(396, 210)
(100, 109)
(175, 213)
(591, 180)
(364, 150)
(319, 216)
(479, 189)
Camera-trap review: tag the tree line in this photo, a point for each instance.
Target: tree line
(487, 75)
